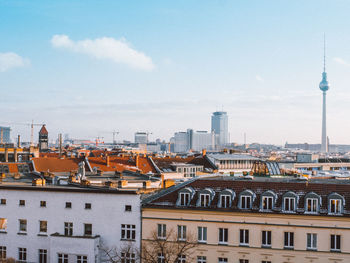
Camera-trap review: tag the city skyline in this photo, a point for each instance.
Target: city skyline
(255, 59)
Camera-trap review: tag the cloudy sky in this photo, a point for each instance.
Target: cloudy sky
(90, 67)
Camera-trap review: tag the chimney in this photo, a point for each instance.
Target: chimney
(204, 152)
(1, 136)
(107, 160)
(19, 141)
(137, 160)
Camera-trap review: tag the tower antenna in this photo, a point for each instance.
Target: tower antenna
(324, 52)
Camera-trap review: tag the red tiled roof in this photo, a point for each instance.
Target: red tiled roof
(43, 130)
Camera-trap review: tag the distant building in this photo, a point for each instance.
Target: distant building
(5, 133)
(43, 139)
(219, 125)
(193, 140)
(141, 137)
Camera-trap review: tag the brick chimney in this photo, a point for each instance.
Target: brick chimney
(107, 160)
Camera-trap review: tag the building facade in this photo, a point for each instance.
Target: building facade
(141, 137)
(5, 134)
(66, 224)
(262, 221)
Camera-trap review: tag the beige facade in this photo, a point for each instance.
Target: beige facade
(255, 223)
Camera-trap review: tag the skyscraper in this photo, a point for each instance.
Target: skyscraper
(219, 125)
(324, 86)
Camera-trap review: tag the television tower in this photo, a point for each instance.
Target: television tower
(324, 86)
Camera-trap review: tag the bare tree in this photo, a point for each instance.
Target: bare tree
(168, 249)
(127, 253)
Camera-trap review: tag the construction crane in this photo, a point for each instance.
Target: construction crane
(32, 124)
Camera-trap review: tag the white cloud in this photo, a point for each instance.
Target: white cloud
(119, 51)
(259, 78)
(11, 60)
(341, 61)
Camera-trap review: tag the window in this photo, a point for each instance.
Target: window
(335, 206)
(246, 202)
(289, 204)
(311, 205)
(22, 202)
(42, 256)
(3, 224)
(267, 203)
(161, 258)
(161, 231)
(202, 234)
(42, 203)
(222, 260)
(266, 239)
(204, 200)
(87, 229)
(3, 202)
(128, 208)
(184, 199)
(335, 242)
(87, 205)
(128, 232)
(225, 201)
(181, 233)
(81, 259)
(68, 228)
(42, 226)
(201, 259)
(223, 235)
(265, 261)
(2, 252)
(68, 205)
(62, 258)
(22, 254)
(243, 261)
(22, 225)
(311, 241)
(181, 259)
(244, 237)
(288, 239)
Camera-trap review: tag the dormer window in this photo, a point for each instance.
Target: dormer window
(336, 204)
(184, 199)
(246, 199)
(225, 198)
(204, 200)
(290, 201)
(312, 203)
(205, 197)
(184, 196)
(268, 200)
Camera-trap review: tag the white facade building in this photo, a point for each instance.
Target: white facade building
(66, 224)
(193, 140)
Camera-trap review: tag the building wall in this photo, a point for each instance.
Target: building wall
(106, 216)
(255, 223)
(6, 132)
(219, 125)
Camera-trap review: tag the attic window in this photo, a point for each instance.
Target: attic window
(184, 199)
(290, 201)
(246, 199)
(336, 204)
(225, 198)
(312, 203)
(204, 200)
(205, 197)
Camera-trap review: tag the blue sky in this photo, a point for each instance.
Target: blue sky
(90, 67)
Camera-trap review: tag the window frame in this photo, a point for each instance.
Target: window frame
(266, 238)
(245, 197)
(202, 236)
(22, 227)
(3, 252)
(293, 204)
(87, 231)
(311, 241)
(44, 228)
(223, 236)
(244, 237)
(201, 259)
(314, 206)
(268, 208)
(22, 254)
(335, 243)
(42, 255)
(68, 229)
(184, 199)
(3, 224)
(161, 231)
(181, 232)
(42, 203)
(288, 240)
(128, 232)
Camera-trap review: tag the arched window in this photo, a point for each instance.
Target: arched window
(225, 198)
(312, 203)
(246, 199)
(290, 202)
(268, 200)
(185, 196)
(205, 197)
(336, 204)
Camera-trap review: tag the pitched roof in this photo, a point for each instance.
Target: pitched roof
(43, 130)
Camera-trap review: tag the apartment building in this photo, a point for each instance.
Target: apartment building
(66, 223)
(264, 220)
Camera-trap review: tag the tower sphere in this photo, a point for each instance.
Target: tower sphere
(324, 86)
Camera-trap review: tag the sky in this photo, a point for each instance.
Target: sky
(88, 68)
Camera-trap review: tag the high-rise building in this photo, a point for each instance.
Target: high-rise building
(324, 86)
(5, 134)
(141, 137)
(219, 125)
(193, 140)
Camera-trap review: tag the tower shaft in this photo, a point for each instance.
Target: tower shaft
(324, 146)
